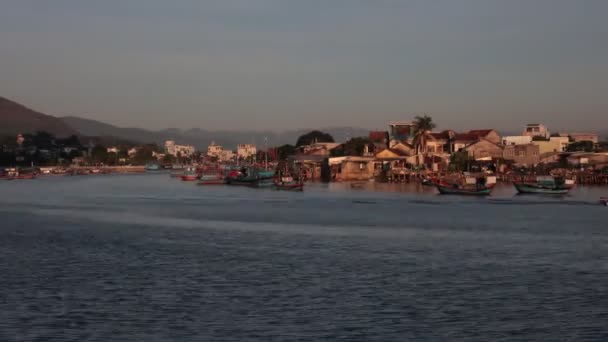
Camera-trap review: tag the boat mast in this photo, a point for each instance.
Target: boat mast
(266, 153)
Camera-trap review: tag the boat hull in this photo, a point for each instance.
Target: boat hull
(604, 201)
(290, 187)
(218, 181)
(533, 189)
(189, 178)
(446, 190)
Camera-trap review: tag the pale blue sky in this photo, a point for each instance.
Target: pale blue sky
(254, 64)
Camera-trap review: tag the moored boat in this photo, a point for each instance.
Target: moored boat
(189, 175)
(604, 201)
(211, 179)
(153, 167)
(547, 185)
(469, 186)
(250, 177)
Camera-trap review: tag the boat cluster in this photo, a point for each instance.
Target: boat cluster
(251, 176)
(482, 185)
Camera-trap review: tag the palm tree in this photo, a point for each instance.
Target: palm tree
(423, 125)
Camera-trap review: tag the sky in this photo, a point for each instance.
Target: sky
(287, 64)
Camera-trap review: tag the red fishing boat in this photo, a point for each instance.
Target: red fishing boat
(24, 176)
(190, 175)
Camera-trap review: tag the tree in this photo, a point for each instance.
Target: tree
(581, 146)
(144, 155)
(459, 161)
(168, 159)
(353, 147)
(99, 154)
(314, 137)
(423, 125)
(283, 152)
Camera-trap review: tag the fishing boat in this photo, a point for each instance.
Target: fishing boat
(211, 179)
(288, 183)
(547, 185)
(153, 167)
(604, 201)
(469, 186)
(189, 175)
(250, 177)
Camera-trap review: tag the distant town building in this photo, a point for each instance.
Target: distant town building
(554, 144)
(244, 151)
(401, 131)
(214, 150)
(380, 139)
(523, 155)
(578, 137)
(517, 140)
(174, 149)
(536, 130)
(226, 156)
(112, 149)
(132, 151)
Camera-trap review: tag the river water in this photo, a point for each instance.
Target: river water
(149, 258)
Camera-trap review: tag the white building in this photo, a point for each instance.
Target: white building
(536, 130)
(214, 150)
(516, 140)
(226, 156)
(244, 151)
(112, 149)
(132, 151)
(173, 149)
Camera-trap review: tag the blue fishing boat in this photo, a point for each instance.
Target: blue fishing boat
(250, 177)
(546, 185)
(469, 186)
(153, 167)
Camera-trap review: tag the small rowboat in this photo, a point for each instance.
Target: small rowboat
(604, 201)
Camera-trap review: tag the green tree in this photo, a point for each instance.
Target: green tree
(581, 146)
(423, 125)
(459, 161)
(168, 159)
(144, 155)
(284, 151)
(353, 147)
(313, 137)
(99, 154)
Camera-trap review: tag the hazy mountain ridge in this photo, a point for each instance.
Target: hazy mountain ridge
(16, 118)
(201, 138)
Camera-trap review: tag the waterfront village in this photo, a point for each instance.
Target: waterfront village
(405, 151)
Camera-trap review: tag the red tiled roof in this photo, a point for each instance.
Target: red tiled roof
(466, 137)
(481, 132)
(443, 135)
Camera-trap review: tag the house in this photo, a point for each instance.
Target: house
(174, 149)
(401, 131)
(244, 151)
(536, 130)
(380, 139)
(522, 155)
(214, 150)
(554, 144)
(584, 159)
(308, 167)
(490, 135)
(404, 149)
(318, 149)
(516, 140)
(351, 168)
(578, 137)
(484, 150)
(112, 149)
(226, 156)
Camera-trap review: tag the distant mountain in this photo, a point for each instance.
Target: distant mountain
(16, 118)
(201, 138)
